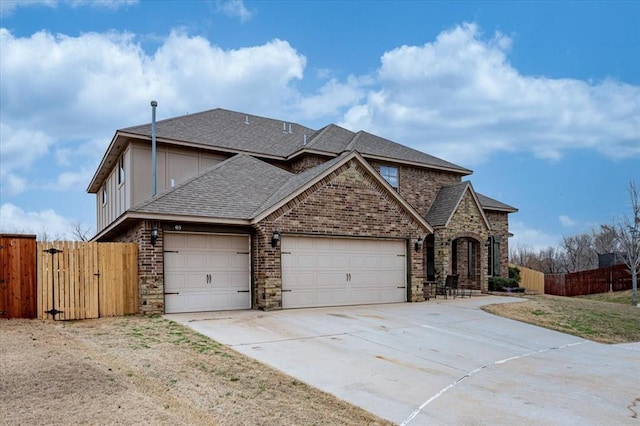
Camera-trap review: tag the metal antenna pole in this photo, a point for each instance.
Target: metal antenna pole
(154, 166)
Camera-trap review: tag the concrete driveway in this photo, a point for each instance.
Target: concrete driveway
(439, 362)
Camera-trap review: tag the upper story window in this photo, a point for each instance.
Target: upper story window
(121, 174)
(104, 195)
(390, 174)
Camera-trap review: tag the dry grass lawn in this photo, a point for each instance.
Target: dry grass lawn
(147, 370)
(594, 318)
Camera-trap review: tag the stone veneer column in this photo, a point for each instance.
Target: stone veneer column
(442, 248)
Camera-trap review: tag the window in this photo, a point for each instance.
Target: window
(493, 257)
(121, 174)
(104, 195)
(496, 259)
(390, 174)
(471, 259)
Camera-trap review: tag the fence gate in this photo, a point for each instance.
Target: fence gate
(79, 280)
(17, 276)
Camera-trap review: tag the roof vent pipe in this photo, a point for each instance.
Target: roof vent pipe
(246, 119)
(304, 139)
(284, 127)
(290, 128)
(154, 167)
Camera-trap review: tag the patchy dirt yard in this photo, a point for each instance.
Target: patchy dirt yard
(147, 370)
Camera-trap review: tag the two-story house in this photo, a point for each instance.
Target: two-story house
(253, 212)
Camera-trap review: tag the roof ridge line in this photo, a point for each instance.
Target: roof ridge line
(315, 137)
(353, 141)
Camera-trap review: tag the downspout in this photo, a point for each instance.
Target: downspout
(154, 104)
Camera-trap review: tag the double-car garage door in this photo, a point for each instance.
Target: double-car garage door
(205, 272)
(342, 271)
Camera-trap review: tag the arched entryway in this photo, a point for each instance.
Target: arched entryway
(466, 261)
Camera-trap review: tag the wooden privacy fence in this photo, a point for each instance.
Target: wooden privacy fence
(612, 278)
(17, 276)
(531, 279)
(79, 280)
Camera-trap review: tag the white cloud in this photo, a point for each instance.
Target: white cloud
(72, 93)
(331, 98)
(12, 184)
(71, 180)
(78, 84)
(526, 236)
(20, 147)
(566, 221)
(460, 98)
(15, 219)
(234, 8)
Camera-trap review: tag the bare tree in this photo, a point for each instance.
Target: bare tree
(552, 261)
(579, 252)
(80, 231)
(628, 233)
(523, 255)
(46, 236)
(605, 239)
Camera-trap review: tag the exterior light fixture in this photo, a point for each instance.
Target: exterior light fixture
(275, 238)
(418, 244)
(154, 235)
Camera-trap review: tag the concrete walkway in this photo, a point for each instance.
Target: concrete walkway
(440, 362)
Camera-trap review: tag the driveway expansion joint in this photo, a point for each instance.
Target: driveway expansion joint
(474, 372)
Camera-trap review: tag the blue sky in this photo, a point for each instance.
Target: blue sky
(540, 99)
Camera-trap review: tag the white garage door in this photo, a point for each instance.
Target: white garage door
(205, 272)
(342, 271)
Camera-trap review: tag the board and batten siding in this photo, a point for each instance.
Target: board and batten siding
(174, 166)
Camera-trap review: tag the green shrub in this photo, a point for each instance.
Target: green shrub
(499, 283)
(514, 272)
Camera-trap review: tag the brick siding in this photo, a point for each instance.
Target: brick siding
(306, 162)
(348, 202)
(418, 186)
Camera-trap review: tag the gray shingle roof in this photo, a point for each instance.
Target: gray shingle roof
(241, 187)
(368, 143)
(233, 189)
(445, 204)
(239, 132)
(331, 138)
(488, 203)
(228, 129)
(335, 139)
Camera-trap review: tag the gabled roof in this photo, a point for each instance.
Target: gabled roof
(244, 190)
(236, 132)
(335, 139)
(493, 204)
(447, 201)
(376, 146)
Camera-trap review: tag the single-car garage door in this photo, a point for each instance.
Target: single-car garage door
(204, 272)
(320, 271)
